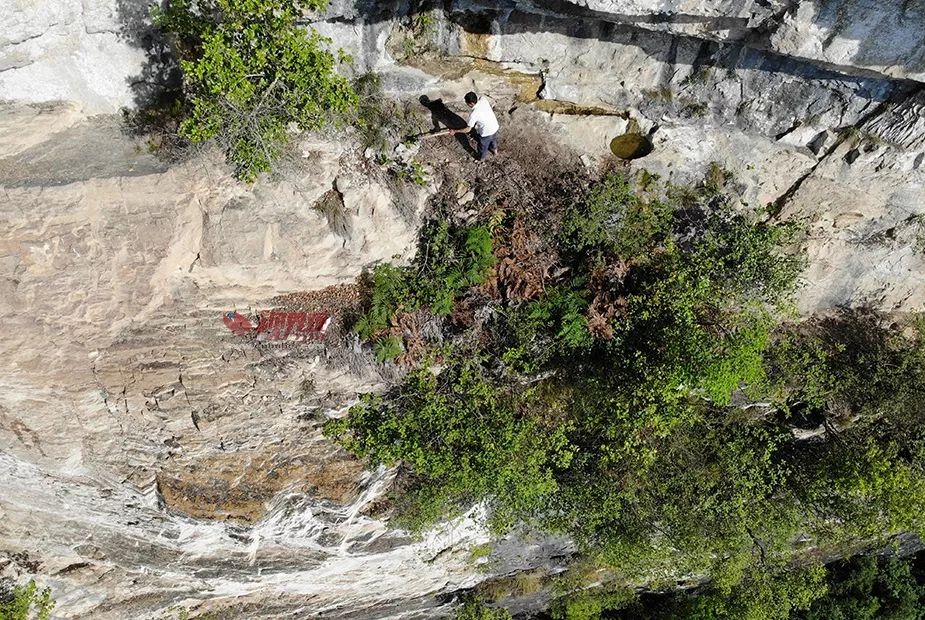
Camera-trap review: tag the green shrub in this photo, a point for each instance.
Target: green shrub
(388, 348)
(448, 261)
(382, 121)
(474, 610)
(871, 588)
(25, 602)
(746, 257)
(373, 113)
(390, 293)
(861, 379)
(413, 173)
(590, 604)
(627, 403)
(249, 72)
(463, 436)
(762, 594)
(616, 221)
(860, 588)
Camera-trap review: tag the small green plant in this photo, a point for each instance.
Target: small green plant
(423, 23)
(449, 260)
(700, 76)
(25, 602)
(379, 120)
(696, 109)
(918, 240)
(479, 552)
(408, 47)
(412, 172)
(391, 292)
(419, 36)
(856, 137)
(388, 348)
(716, 178)
(373, 112)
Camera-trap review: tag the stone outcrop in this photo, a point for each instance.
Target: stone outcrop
(75, 50)
(882, 37)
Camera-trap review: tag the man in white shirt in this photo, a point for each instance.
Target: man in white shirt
(483, 124)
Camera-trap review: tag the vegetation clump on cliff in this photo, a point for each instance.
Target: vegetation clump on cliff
(617, 360)
(862, 588)
(251, 74)
(24, 602)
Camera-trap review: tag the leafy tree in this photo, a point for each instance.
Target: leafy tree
(764, 592)
(590, 604)
(861, 379)
(869, 588)
(861, 588)
(685, 330)
(250, 71)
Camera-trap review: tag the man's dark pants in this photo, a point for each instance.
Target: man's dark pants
(487, 143)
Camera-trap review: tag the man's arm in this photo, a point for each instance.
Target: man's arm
(470, 126)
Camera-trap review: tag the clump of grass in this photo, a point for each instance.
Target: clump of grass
(700, 76)
(663, 94)
(696, 109)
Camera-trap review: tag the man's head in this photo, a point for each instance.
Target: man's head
(471, 99)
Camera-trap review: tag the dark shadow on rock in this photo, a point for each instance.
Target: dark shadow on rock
(157, 90)
(159, 83)
(444, 118)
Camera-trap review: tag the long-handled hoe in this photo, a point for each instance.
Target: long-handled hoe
(429, 134)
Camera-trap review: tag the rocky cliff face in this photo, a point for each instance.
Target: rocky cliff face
(814, 107)
(149, 458)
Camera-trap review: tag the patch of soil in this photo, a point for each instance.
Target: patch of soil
(328, 300)
(238, 485)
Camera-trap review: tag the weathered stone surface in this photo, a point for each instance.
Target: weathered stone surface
(118, 376)
(721, 19)
(865, 204)
(101, 52)
(855, 35)
(687, 80)
(874, 35)
(902, 125)
(240, 484)
(75, 50)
